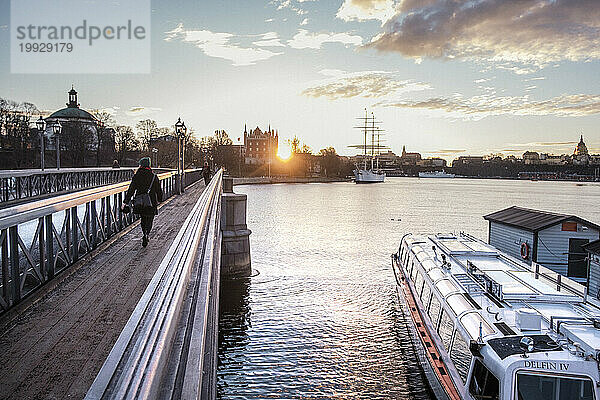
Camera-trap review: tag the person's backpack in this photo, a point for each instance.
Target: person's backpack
(142, 202)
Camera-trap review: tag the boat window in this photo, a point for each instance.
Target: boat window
(409, 267)
(471, 321)
(459, 303)
(422, 256)
(419, 284)
(436, 274)
(445, 286)
(434, 310)
(413, 273)
(461, 356)
(428, 264)
(425, 295)
(484, 385)
(544, 387)
(446, 328)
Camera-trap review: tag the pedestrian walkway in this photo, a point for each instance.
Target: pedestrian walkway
(53, 344)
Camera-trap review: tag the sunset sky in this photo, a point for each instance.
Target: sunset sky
(446, 78)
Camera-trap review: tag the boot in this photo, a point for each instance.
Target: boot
(145, 241)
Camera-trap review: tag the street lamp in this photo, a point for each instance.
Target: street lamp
(57, 129)
(41, 127)
(155, 156)
(180, 131)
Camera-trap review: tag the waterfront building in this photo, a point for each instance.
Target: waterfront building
(467, 160)
(581, 155)
(551, 239)
(435, 162)
(260, 147)
(409, 158)
(593, 250)
(531, 157)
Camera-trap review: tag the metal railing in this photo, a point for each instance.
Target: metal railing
(18, 185)
(168, 347)
(41, 238)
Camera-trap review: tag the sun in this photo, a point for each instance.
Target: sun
(284, 152)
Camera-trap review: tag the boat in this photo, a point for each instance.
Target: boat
(488, 326)
(369, 171)
(436, 174)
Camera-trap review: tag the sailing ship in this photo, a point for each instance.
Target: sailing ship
(368, 170)
(489, 326)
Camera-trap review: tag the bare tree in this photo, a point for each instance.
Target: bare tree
(147, 131)
(125, 141)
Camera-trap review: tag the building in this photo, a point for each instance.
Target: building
(581, 155)
(433, 162)
(260, 147)
(593, 250)
(531, 157)
(409, 158)
(551, 239)
(73, 117)
(467, 160)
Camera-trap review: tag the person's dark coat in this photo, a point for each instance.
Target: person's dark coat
(140, 184)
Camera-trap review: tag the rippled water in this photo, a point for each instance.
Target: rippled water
(322, 320)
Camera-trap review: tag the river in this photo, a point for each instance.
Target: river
(321, 319)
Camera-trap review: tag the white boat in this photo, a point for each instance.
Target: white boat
(368, 176)
(488, 326)
(436, 174)
(366, 173)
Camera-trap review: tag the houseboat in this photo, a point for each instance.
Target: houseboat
(487, 325)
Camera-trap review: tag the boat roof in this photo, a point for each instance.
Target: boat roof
(491, 293)
(533, 220)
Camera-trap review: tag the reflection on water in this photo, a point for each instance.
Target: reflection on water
(322, 320)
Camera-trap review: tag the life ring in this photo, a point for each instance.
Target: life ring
(525, 251)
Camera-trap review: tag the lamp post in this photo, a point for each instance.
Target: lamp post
(155, 154)
(57, 129)
(41, 127)
(180, 131)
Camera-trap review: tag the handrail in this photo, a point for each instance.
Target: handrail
(36, 209)
(167, 348)
(41, 238)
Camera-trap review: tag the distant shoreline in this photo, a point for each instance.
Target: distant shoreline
(265, 180)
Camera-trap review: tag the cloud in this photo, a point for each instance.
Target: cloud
(537, 78)
(309, 40)
(223, 45)
(282, 4)
(304, 22)
(448, 151)
(478, 107)
(139, 111)
(358, 10)
(530, 33)
(370, 84)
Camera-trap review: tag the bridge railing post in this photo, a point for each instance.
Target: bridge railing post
(235, 247)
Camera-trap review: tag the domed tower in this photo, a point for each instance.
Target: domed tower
(581, 149)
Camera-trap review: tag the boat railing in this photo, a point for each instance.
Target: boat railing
(560, 282)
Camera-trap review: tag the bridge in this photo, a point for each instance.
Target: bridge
(87, 312)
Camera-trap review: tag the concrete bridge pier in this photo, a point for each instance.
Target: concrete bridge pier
(235, 245)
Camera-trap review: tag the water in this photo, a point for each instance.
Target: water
(322, 320)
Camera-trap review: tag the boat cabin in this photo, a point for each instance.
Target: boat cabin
(490, 326)
(593, 250)
(554, 240)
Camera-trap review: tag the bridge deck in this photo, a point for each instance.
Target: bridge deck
(56, 346)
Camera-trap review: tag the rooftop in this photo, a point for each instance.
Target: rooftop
(533, 220)
(593, 247)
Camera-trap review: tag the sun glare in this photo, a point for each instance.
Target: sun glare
(284, 152)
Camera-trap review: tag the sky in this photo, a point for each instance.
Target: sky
(445, 77)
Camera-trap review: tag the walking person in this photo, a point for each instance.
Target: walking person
(206, 174)
(146, 193)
